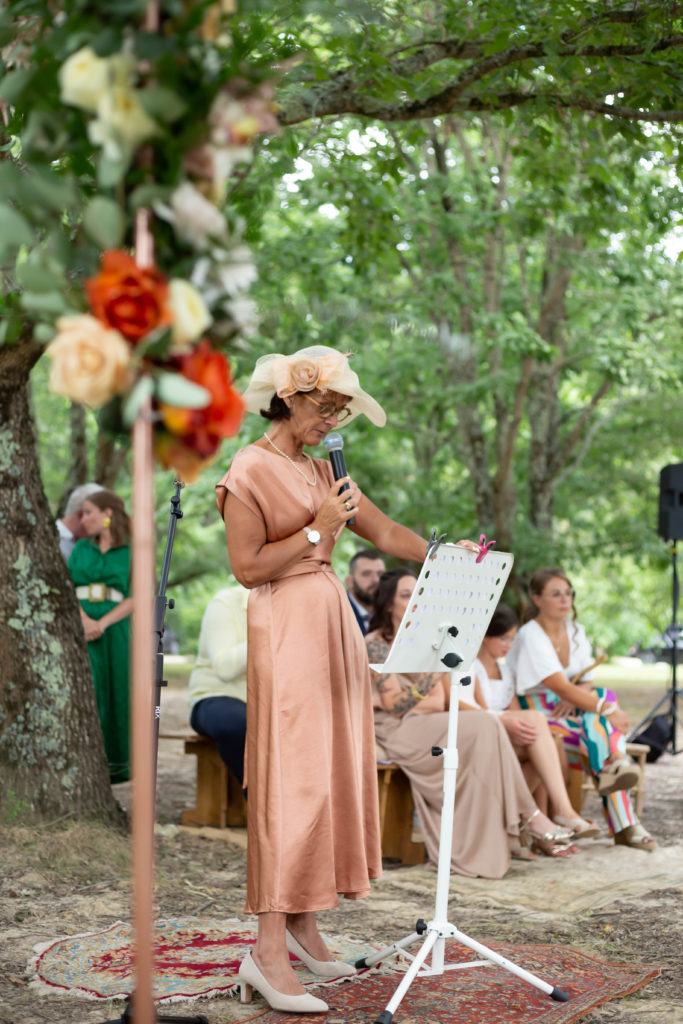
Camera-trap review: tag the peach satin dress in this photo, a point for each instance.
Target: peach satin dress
(313, 828)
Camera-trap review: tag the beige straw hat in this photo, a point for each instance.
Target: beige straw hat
(316, 366)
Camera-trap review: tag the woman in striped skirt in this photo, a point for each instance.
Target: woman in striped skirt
(549, 651)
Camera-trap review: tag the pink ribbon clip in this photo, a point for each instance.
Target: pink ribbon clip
(484, 546)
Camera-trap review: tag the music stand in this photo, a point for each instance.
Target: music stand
(443, 627)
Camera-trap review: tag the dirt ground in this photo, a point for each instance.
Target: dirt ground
(72, 878)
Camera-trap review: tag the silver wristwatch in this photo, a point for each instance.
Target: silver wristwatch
(312, 536)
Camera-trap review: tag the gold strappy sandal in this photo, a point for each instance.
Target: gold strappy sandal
(553, 843)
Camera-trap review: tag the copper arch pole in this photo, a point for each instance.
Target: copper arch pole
(143, 725)
(143, 809)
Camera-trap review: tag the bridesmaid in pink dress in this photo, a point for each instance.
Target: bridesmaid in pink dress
(313, 827)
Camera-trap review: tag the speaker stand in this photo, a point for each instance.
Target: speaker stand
(673, 693)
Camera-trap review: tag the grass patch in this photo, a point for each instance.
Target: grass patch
(76, 854)
(631, 672)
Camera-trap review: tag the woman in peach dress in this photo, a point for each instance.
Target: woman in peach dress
(313, 827)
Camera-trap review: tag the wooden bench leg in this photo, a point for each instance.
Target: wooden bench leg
(219, 800)
(575, 788)
(396, 809)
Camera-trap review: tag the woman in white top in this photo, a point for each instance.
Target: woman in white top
(547, 654)
(527, 729)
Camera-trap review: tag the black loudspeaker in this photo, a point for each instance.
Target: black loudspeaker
(670, 523)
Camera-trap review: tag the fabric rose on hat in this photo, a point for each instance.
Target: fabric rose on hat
(290, 376)
(90, 363)
(132, 299)
(329, 367)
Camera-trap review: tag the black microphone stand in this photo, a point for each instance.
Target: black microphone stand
(672, 694)
(161, 603)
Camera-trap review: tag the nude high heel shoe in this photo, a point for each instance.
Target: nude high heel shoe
(251, 978)
(325, 968)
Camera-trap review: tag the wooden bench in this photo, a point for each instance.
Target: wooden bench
(580, 782)
(219, 800)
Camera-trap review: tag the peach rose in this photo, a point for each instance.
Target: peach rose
(291, 376)
(90, 363)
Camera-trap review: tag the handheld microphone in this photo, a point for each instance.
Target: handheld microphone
(334, 444)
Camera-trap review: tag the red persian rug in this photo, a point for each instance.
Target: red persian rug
(485, 995)
(192, 958)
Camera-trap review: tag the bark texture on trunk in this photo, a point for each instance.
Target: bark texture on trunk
(51, 752)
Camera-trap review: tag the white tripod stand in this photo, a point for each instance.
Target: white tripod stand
(444, 626)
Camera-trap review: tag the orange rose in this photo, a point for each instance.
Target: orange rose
(132, 299)
(173, 454)
(202, 430)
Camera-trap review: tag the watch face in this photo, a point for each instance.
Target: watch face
(313, 536)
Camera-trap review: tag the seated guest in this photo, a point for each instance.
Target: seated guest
(548, 654)
(492, 801)
(365, 569)
(70, 526)
(218, 682)
(527, 729)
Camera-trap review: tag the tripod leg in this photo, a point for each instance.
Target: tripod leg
(375, 958)
(550, 990)
(395, 1001)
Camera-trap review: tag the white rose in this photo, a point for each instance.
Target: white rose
(122, 122)
(194, 218)
(243, 314)
(90, 362)
(237, 271)
(83, 79)
(190, 315)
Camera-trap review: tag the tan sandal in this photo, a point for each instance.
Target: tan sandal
(622, 774)
(637, 837)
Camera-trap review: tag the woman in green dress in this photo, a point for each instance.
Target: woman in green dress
(100, 568)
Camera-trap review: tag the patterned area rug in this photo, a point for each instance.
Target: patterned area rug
(192, 958)
(486, 995)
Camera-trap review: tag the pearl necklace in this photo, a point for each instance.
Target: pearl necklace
(293, 463)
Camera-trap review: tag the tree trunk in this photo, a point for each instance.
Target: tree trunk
(78, 470)
(51, 751)
(110, 457)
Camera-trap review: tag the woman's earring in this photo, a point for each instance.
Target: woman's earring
(106, 522)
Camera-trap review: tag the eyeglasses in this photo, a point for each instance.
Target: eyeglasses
(555, 595)
(327, 409)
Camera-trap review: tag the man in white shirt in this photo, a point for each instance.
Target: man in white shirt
(69, 527)
(365, 569)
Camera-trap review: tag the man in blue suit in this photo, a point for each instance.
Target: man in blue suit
(365, 569)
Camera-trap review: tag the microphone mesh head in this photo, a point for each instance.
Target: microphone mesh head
(334, 442)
